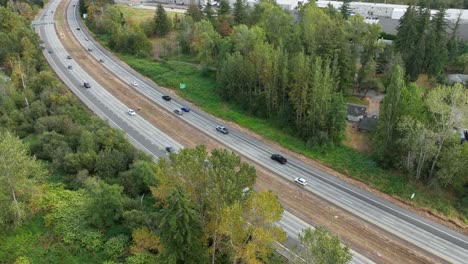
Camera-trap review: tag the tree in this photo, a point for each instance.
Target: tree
(104, 203)
(418, 143)
(319, 246)
(251, 227)
(389, 115)
(161, 22)
(180, 231)
(224, 9)
(209, 13)
(20, 177)
(344, 9)
(240, 12)
(205, 42)
(194, 12)
(138, 178)
(448, 107)
(144, 241)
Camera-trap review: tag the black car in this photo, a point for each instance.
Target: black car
(69, 57)
(170, 149)
(78, 28)
(87, 85)
(279, 158)
(166, 97)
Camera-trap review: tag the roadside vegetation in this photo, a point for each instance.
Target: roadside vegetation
(73, 189)
(287, 81)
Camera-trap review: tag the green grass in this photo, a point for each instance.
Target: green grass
(36, 241)
(201, 91)
(355, 100)
(139, 14)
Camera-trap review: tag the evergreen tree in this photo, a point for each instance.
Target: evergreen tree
(345, 10)
(224, 9)
(209, 13)
(161, 22)
(180, 231)
(240, 12)
(194, 12)
(438, 54)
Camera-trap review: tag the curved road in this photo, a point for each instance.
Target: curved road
(431, 237)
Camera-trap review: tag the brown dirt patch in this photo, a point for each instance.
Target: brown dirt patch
(357, 140)
(361, 236)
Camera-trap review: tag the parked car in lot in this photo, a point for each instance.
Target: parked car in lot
(185, 109)
(166, 97)
(86, 85)
(301, 181)
(279, 158)
(131, 112)
(179, 112)
(222, 129)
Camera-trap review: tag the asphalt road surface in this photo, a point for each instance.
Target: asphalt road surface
(431, 237)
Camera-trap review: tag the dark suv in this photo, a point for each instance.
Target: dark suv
(166, 97)
(279, 158)
(87, 85)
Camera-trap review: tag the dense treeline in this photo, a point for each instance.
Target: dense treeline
(275, 67)
(104, 200)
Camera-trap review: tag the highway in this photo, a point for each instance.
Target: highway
(140, 133)
(433, 238)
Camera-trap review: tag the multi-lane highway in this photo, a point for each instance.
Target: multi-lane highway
(141, 133)
(430, 237)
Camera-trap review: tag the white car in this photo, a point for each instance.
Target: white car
(131, 112)
(135, 84)
(301, 181)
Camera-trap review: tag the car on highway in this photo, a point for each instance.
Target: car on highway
(86, 39)
(78, 28)
(301, 181)
(279, 158)
(50, 51)
(185, 109)
(69, 57)
(86, 85)
(179, 112)
(101, 60)
(134, 84)
(70, 67)
(222, 129)
(170, 149)
(131, 112)
(166, 97)
(89, 49)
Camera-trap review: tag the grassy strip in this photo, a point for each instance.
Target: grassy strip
(355, 100)
(35, 241)
(201, 90)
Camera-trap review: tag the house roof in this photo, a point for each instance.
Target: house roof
(457, 78)
(368, 123)
(356, 110)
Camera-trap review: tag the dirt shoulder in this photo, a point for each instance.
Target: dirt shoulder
(364, 238)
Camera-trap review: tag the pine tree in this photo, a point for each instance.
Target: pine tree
(240, 12)
(161, 22)
(194, 12)
(345, 10)
(209, 13)
(224, 8)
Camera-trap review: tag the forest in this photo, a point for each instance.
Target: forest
(74, 190)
